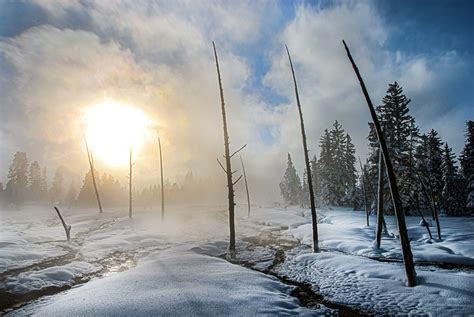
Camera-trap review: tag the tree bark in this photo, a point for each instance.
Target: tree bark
(380, 218)
(162, 184)
(91, 164)
(130, 186)
(67, 228)
(246, 187)
(402, 228)
(228, 168)
(308, 165)
(364, 189)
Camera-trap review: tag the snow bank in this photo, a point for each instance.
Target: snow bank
(380, 287)
(176, 282)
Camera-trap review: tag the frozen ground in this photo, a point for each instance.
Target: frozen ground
(122, 266)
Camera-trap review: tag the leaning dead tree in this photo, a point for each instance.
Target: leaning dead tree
(246, 187)
(397, 204)
(130, 185)
(364, 189)
(162, 186)
(67, 228)
(228, 167)
(306, 158)
(378, 230)
(91, 164)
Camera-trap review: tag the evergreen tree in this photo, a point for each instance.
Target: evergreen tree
(44, 185)
(290, 186)
(71, 194)
(86, 195)
(350, 176)
(56, 192)
(452, 193)
(325, 166)
(17, 183)
(400, 134)
(467, 167)
(337, 167)
(34, 177)
(304, 199)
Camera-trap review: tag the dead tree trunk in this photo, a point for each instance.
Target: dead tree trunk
(380, 218)
(246, 187)
(402, 228)
(228, 167)
(306, 157)
(91, 164)
(67, 228)
(162, 184)
(428, 193)
(130, 186)
(364, 189)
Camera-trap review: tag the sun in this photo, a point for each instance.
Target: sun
(112, 128)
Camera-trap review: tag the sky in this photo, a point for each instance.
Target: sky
(59, 58)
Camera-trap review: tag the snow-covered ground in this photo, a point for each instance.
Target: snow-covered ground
(140, 266)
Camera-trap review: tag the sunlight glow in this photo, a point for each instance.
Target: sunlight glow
(111, 128)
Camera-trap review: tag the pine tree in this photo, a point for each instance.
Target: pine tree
(324, 167)
(290, 186)
(400, 133)
(350, 176)
(34, 178)
(86, 195)
(71, 194)
(452, 193)
(17, 183)
(337, 167)
(467, 167)
(44, 185)
(57, 187)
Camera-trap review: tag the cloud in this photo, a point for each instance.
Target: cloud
(157, 56)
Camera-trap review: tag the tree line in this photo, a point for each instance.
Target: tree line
(426, 168)
(28, 183)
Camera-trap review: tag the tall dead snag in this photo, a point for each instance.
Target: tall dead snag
(228, 167)
(306, 157)
(364, 189)
(378, 231)
(67, 228)
(91, 164)
(130, 186)
(246, 187)
(162, 186)
(397, 204)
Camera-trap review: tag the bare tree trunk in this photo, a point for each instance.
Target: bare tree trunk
(67, 228)
(402, 228)
(380, 218)
(162, 184)
(364, 189)
(428, 192)
(130, 186)
(306, 158)
(246, 187)
(91, 164)
(228, 168)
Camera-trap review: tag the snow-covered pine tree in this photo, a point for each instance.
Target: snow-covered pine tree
(467, 168)
(350, 177)
(325, 168)
(86, 195)
(316, 181)
(290, 186)
(17, 183)
(304, 200)
(57, 187)
(44, 185)
(337, 167)
(34, 178)
(400, 132)
(452, 193)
